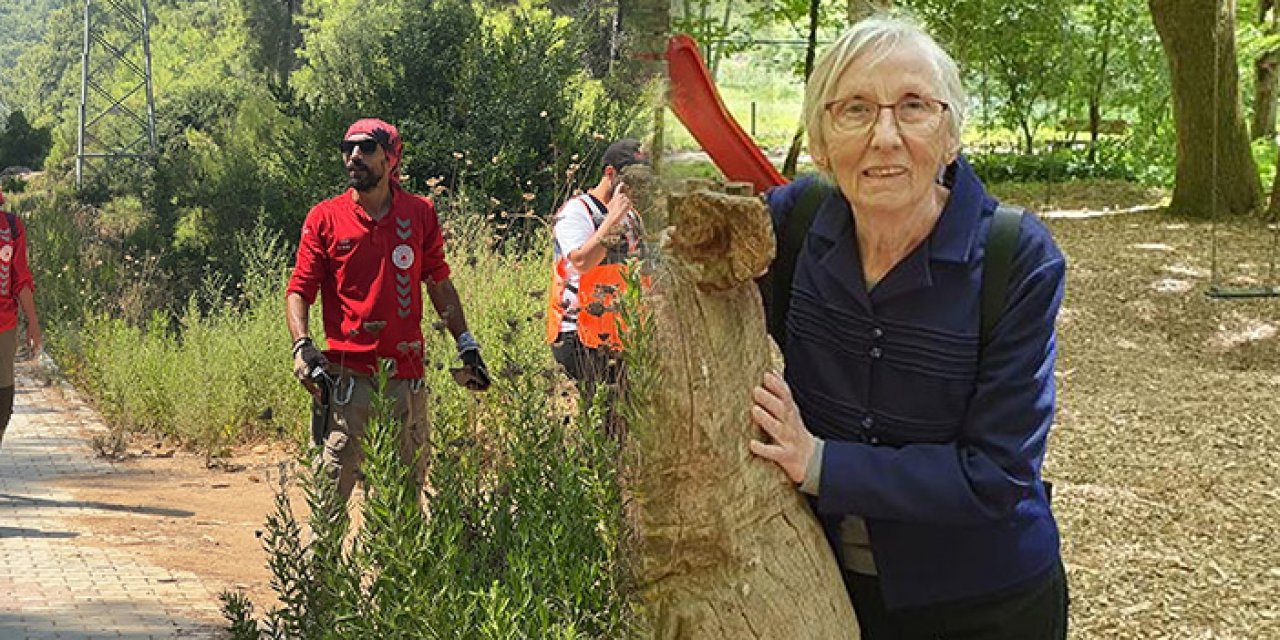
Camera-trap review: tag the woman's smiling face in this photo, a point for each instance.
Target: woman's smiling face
(888, 168)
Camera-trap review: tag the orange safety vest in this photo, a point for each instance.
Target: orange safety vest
(598, 291)
(596, 297)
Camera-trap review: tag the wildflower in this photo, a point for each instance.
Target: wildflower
(457, 155)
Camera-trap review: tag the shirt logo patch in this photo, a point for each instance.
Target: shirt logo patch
(345, 244)
(6, 253)
(402, 257)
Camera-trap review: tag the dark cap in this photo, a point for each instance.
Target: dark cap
(623, 153)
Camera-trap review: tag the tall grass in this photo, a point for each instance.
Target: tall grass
(218, 373)
(525, 534)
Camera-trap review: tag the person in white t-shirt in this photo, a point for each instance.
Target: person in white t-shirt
(595, 232)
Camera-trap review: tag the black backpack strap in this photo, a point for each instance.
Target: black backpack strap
(12, 219)
(776, 286)
(997, 269)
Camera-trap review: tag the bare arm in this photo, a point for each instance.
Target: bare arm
(592, 252)
(444, 298)
(27, 300)
(297, 315)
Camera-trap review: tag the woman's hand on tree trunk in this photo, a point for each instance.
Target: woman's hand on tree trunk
(790, 444)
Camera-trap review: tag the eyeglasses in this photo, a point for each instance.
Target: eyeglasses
(913, 114)
(367, 146)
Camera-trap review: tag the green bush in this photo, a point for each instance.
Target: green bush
(12, 185)
(1057, 166)
(22, 145)
(522, 539)
(218, 374)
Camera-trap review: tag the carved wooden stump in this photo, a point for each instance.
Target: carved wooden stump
(728, 548)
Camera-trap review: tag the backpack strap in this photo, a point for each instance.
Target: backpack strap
(776, 286)
(997, 268)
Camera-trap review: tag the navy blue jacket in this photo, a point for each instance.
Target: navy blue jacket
(938, 446)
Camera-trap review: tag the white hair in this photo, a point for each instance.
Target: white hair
(868, 42)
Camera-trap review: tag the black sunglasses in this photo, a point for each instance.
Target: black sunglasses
(367, 146)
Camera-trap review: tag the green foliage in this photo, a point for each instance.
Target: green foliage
(1056, 166)
(12, 185)
(522, 539)
(1264, 156)
(495, 99)
(142, 373)
(22, 145)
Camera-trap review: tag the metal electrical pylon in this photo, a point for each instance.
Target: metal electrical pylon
(117, 108)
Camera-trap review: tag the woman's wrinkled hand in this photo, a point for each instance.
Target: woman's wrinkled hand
(775, 412)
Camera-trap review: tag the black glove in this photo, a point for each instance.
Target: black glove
(472, 374)
(308, 361)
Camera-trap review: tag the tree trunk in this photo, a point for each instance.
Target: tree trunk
(1099, 86)
(1028, 136)
(1191, 32)
(859, 9)
(1264, 107)
(1265, 76)
(810, 52)
(645, 26)
(727, 547)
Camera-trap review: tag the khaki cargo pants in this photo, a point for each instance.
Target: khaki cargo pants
(349, 419)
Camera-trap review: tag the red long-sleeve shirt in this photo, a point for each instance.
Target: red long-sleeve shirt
(369, 275)
(15, 273)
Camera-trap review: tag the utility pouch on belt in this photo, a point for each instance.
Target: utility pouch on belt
(321, 407)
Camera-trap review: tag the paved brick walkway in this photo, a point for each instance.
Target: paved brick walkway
(51, 584)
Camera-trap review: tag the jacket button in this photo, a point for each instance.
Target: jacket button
(875, 353)
(868, 422)
(877, 333)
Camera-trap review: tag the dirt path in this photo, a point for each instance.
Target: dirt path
(135, 549)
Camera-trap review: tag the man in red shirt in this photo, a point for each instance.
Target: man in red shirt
(17, 289)
(367, 252)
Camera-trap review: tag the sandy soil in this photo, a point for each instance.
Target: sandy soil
(224, 509)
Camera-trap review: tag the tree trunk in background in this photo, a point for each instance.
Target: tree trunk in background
(1265, 76)
(1102, 59)
(645, 26)
(727, 547)
(859, 9)
(810, 52)
(597, 27)
(1190, 32)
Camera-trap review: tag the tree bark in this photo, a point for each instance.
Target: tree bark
(645, 26)
(1102, 58)
(1198, 37)
(727, 547)
(1265, 77)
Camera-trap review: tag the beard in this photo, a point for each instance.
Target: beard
(361, 177)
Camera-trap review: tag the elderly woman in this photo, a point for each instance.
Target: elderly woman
(919, 443)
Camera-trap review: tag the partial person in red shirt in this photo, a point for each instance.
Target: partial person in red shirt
(367, 253)
(17, 289)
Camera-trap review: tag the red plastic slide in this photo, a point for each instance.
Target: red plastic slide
(696, 102)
